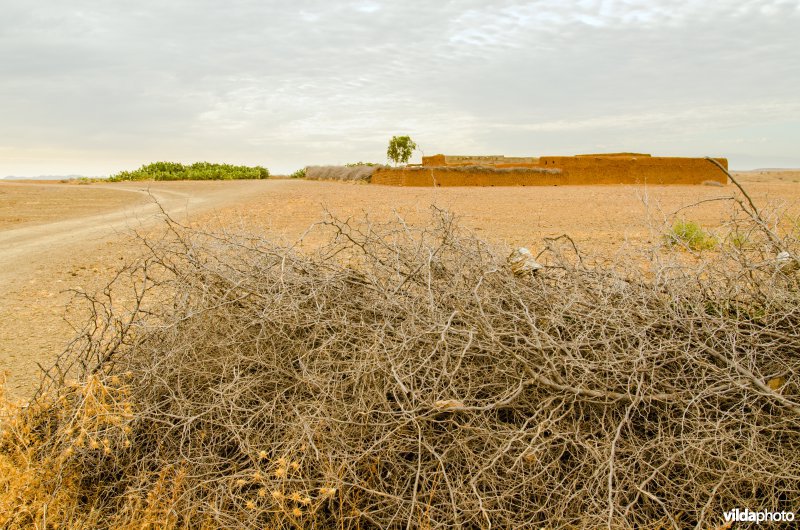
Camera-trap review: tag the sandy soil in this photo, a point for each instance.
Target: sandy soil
(46, 256)
(27, 204)
(50, 247)
(599, 217)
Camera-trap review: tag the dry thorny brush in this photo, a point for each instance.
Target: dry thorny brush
(405, 378)
(355, 173)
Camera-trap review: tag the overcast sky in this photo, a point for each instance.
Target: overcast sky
(94, 87)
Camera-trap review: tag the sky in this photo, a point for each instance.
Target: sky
(96, 87)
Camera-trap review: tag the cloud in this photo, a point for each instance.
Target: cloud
(103, 86)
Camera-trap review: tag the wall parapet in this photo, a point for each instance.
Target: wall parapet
(480, 160)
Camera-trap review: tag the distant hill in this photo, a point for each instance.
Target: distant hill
(767, 169)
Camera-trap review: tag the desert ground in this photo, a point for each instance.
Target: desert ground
(57, 237)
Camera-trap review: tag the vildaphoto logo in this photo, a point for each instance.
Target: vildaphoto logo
(746, 515)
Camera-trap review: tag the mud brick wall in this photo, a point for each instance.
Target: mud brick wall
(636, 170)
(466, 176)
(608, 168)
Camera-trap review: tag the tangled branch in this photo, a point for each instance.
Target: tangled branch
(402, 377)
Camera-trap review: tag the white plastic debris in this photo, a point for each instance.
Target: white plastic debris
(522, 262)
(786, 263)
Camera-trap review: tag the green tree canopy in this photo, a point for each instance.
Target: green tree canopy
(400, 149)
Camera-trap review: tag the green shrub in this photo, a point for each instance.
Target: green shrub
(196, 171)
(690, 234)
(739, 240)
(299, 174)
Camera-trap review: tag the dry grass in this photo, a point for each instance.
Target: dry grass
(406, 377)
(356, 173)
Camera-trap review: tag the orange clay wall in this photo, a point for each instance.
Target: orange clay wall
(466, 176)
(636, 170)
(609, 168)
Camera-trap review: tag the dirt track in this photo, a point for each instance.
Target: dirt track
(61, 242)
(42, 255)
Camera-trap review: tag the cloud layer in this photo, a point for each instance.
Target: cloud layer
(89, 87)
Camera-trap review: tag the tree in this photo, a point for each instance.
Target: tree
(400, 149)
